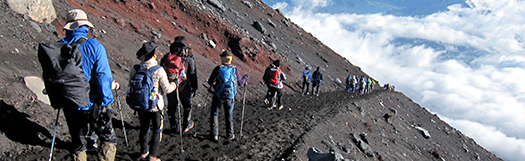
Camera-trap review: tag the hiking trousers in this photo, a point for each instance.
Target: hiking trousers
(272, 92)
(97, 118)
(173, 103)
(228, 105)
(307, 85)
(155, 120)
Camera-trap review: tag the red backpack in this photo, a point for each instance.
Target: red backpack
(274, 76)
(175, 66)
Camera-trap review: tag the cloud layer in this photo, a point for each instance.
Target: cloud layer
(466, 64)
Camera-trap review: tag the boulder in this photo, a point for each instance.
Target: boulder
(39, 10)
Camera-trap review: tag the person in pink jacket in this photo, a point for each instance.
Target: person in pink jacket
(148, 56)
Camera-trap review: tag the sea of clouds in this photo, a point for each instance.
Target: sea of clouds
(465, 64)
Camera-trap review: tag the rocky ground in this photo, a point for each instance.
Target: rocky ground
(383, 125)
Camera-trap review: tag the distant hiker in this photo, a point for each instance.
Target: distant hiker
(97, 113)
(274, 77)
(181, 68)
(369, 85)
(349, 83)
(150, 113)
(354, 83)
(317, 79)
(306, 78)
(362, 85)
(224, 81)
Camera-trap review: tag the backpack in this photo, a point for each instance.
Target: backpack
(317, 75)
(64, 79)
(176, 68)
(274, 76)
(141, 94)
(227, 80)
(305, 77)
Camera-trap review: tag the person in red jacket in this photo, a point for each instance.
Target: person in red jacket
(274, 77)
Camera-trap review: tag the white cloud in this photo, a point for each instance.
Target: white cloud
(472, 74)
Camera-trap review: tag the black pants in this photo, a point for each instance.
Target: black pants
(185, 99)
(98, 119)
(315, 87)
(307, 85)
(155, 120)
(272, 91)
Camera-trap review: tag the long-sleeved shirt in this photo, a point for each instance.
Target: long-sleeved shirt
(96, 67)
(160, 79)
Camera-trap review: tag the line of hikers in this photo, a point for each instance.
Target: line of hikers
(361, 86)
(78, 79)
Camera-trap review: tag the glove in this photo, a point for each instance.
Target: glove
(211, 90)
(245, 77)
(115, 85)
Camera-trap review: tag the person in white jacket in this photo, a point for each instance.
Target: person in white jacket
(148, 56)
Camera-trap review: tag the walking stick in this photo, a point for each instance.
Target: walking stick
(121, 119)
(54, 136)
(180, 119)
(243, 100)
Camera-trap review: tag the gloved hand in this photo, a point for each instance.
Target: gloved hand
(245, 76)
(115, 85)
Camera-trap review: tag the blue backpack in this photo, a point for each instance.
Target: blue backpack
(141, 95)
(227, 80)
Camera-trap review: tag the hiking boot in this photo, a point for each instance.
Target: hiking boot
(153, 159)
(190, 126)
(143, 156)
(270, 108)
(80, 156)
(107, 152)
(281, 107)
(231, 137)
(214, 138)
(266, 102)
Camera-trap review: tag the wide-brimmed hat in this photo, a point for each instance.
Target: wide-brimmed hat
(147, 51)
(76, 18)
(178, 45)
(277, 63)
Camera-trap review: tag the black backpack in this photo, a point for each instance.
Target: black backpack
(64, 80)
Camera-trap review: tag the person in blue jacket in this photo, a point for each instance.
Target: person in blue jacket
(96, 115)
(224, 94)
(306, 78)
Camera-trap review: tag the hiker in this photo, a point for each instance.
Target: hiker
(306, 78)
(224, 81)
(317, 79)
(362, 85)
(152, 116)
(274, 77)
(349, 85)
(97, 114)
(369, 85)
(181, 68)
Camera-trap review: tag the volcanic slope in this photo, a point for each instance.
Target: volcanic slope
(325, 122)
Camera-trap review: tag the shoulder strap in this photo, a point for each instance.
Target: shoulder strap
(154, 68)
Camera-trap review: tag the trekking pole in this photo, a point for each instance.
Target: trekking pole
(243, 100)
(180, 119)
(121, 119)
(54, 136)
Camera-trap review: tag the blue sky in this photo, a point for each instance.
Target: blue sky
(462, 60)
